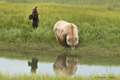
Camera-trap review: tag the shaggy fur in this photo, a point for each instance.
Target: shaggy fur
(66, 33)
(65, 65)
(34, 16)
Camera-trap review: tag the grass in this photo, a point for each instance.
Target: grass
(47, 77)
(98, 22)
(99, 27)
(73, 2)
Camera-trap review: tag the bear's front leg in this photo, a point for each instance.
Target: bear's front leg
(30, 17)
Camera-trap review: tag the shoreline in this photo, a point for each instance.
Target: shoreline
(50, 55)
(53, 49)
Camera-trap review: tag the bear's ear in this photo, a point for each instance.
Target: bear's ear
(36, 7)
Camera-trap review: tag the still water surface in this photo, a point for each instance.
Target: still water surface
(16, 67)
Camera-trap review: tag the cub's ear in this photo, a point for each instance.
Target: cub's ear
(36, 7)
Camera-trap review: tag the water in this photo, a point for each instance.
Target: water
(16, 67)
(62, 65)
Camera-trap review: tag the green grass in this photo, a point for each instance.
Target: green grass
(48, 77)
(72, 2)
(99, 27)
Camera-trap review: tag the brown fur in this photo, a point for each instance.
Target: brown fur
(66, 33)
(34, 16)
(72, 28)
(65, 65)
(62, 41)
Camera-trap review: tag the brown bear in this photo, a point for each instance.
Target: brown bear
(66, 33)
(65, 64)
(34, 16)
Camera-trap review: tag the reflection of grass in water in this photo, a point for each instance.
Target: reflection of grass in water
(48, 77)
(41, 56)
(98, 27)
(50, 57)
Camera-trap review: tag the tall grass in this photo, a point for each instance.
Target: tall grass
(73, 2)
(98, 26)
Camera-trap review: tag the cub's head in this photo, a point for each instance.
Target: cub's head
(72, 41)
(34, 9)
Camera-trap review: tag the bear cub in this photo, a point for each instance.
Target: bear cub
(34, 16)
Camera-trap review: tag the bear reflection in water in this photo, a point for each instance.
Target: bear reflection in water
(33, 65)
(65, 64)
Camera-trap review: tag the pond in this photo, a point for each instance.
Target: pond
(62, 65)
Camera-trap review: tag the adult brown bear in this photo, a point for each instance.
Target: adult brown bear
(66, 33)
(34, 16)
(65, 64)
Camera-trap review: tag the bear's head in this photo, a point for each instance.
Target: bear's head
(71, 60)
(72, 40)
(34, 9)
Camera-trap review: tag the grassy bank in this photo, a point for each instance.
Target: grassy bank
(47, 77)
(47, 57)
(99, 28)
